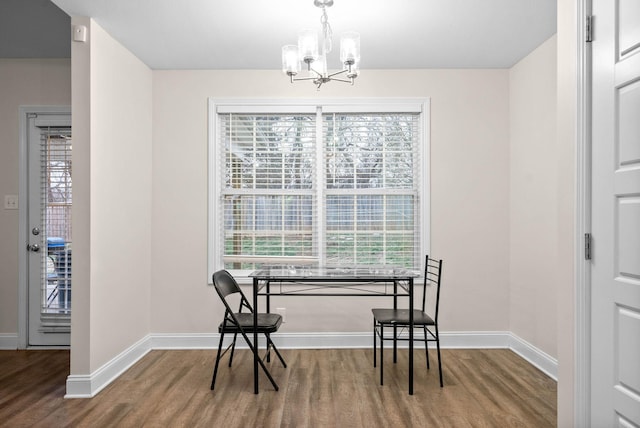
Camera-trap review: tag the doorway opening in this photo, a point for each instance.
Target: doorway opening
(45, 227)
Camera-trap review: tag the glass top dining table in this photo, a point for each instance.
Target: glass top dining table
(315, 280)
(333, 273)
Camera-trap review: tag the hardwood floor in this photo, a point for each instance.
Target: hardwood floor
(320, 388)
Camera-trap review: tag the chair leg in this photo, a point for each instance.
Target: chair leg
(426, 346)
(268, 354)
(395, 344)
(273, 345)
(233, 348)
(254, 350)
(381, 354)
(439, 359)
(375, 340)
(215, 369)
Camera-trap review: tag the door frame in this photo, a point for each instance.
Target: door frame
(23, 225)
(582, 266)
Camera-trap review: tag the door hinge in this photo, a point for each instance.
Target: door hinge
(589, 29)
(587, 246)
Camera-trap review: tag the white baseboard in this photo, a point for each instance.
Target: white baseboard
(543, 361)
(332, 340)
(184, 340)
(8, 341)
(86, 386)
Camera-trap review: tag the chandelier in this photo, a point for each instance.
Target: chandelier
(313, 52)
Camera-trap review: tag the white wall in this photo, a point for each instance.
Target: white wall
(22, 82)
(469, 194)
(533, 251)
(112, 107)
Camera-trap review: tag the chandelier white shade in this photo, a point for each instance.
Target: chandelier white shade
(312, 50)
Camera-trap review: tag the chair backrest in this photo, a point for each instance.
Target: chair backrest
(226, 285)
(432, 276)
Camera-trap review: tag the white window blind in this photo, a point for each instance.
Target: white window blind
(342, 185)
(55, 153)
(56, 204)
(372, 188)
(268, 196)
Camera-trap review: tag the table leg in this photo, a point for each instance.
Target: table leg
(411, 336)
(268, 306)
(255, 336)
(395, 328)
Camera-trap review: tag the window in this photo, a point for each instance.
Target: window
(55, 206)
(332, 184)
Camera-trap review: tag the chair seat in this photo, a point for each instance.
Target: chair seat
(267, 323)
(401, 316)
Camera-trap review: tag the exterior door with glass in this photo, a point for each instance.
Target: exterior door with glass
(49, 242)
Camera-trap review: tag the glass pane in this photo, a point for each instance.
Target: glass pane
(340, 212)
(400, 249)
(267, 227)
(56, 211)
(399, 212)
(370, 249)
(370, 151)
(370, 209)
(269, 152)
(340, 248)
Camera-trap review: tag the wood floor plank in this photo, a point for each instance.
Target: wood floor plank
(319, 388)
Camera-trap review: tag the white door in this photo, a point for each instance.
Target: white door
(48, 246)
(615, 276)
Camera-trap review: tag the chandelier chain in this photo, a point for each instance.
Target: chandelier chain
(326, 32)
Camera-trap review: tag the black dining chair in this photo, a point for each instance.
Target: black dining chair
(398, 319)
(242, 323)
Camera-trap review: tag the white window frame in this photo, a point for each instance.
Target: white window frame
(351, 105)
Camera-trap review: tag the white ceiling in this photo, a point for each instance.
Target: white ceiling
(248, 34)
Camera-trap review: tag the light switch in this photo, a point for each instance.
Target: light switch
(10, 202)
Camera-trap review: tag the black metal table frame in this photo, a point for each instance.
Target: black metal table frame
(402, 286)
